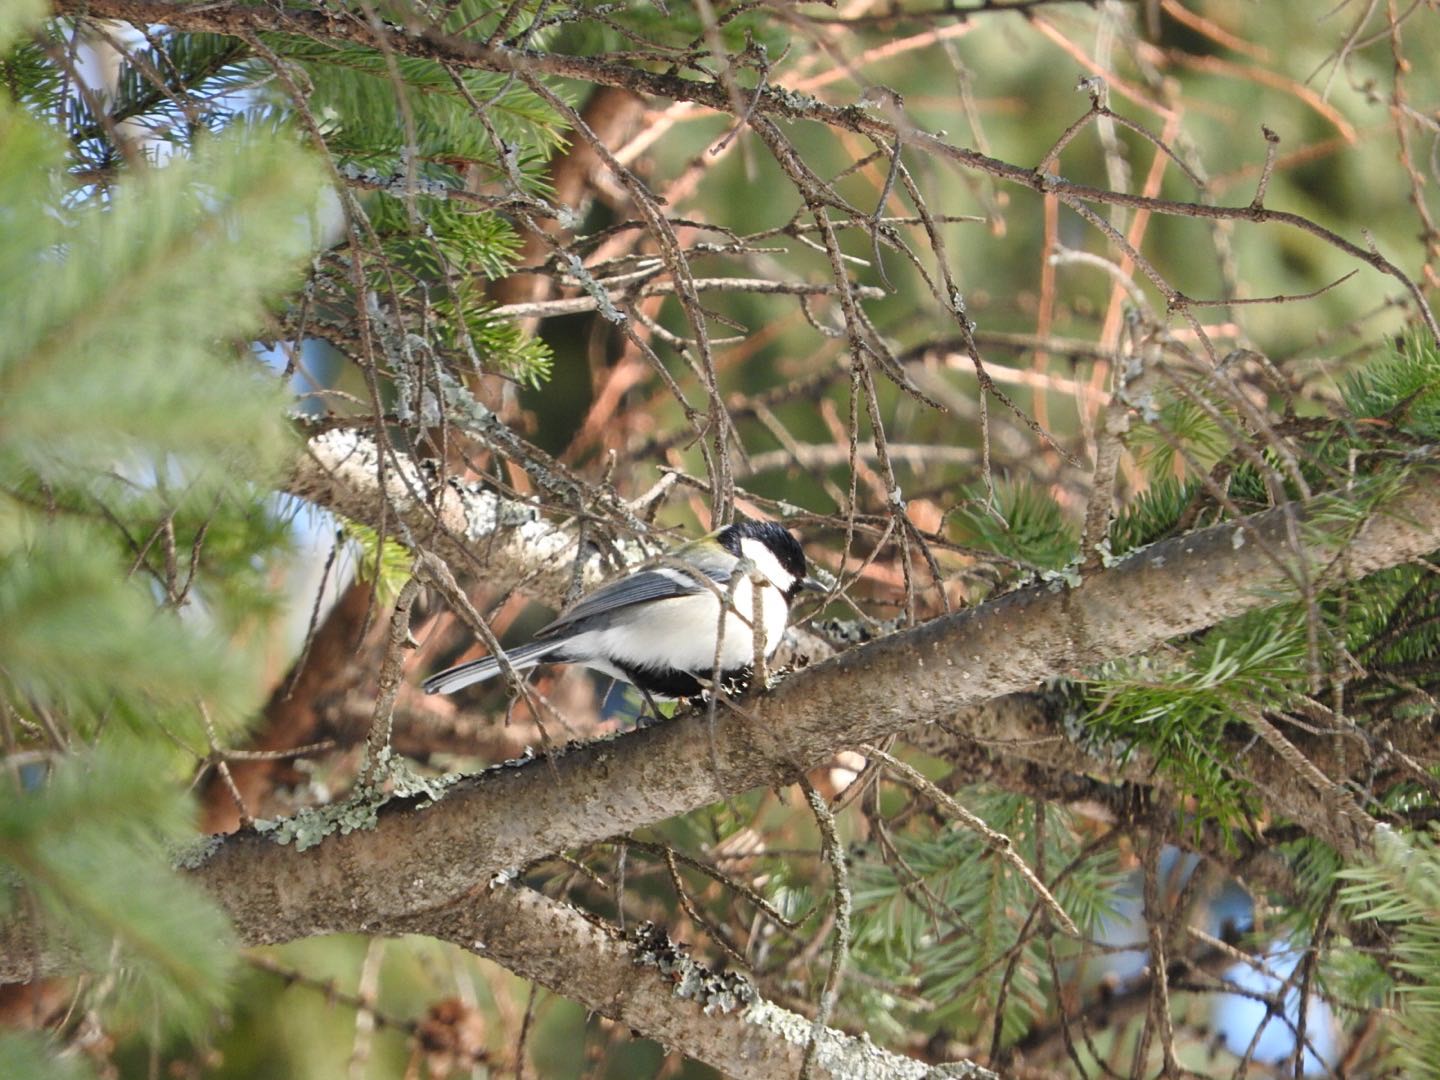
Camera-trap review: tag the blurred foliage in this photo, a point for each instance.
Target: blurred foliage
(25, 1054)
(1400, 890)
(125, 430)
(90, 850)
(129, 429)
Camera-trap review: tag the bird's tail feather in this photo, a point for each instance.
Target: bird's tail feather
(473, 671)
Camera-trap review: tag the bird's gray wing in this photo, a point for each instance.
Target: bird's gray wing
(637, 588)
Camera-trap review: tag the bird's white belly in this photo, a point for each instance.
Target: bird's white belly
(679, 633)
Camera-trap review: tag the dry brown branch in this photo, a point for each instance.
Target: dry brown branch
(432, 44)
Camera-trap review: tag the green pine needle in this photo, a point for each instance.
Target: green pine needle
(1400, 889)
(89, 846)
(1402, 389)
(387, 565)
(944, 920)
(1030, 527)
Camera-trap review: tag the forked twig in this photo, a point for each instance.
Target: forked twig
(996, 841)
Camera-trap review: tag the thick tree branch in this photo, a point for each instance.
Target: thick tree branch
(505, 818)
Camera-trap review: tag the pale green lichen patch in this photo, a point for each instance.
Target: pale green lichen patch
(723, 992)
(856, 1059)
(393, 778)
(844, 632)
(1066, 576)
(837, 1054)
(791, 99)
(714, 991)
(194, 855)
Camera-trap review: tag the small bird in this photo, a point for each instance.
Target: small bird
(656, 627)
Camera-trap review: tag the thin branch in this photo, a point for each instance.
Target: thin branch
(770, 102)
(577, 304)
(840, 946)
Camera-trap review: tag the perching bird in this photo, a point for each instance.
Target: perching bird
(656, 627)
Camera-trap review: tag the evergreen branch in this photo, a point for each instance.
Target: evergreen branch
(1255, 861)
(203, 64)
(1355, 828)
(1398, 890)
(996, 841)
(1021, 731)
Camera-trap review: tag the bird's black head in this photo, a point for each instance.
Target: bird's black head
(778, 539)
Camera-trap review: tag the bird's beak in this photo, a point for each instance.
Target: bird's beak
(811, 584)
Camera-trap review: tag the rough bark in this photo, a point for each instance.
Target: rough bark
(646, 982)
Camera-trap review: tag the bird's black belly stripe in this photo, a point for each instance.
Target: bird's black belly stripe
(669, 683)
(678, 685)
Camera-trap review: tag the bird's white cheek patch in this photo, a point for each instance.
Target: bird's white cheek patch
(767, 564)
